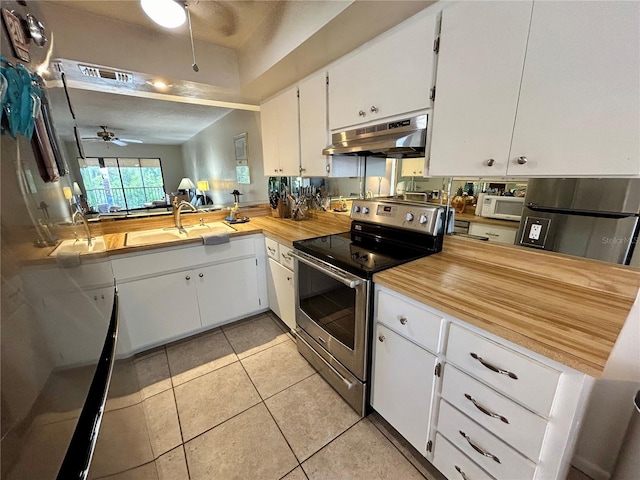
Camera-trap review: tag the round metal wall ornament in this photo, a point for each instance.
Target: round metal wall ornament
(36, 30)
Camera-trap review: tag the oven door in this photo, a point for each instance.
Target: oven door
(332, 306)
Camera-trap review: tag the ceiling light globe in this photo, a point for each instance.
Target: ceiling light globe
(166, 13)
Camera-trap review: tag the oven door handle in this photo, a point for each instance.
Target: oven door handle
(349, 282)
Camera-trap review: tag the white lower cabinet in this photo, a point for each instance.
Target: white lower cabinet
(403, 385)
(493, 411)
(159, 308)
(280, 282)
(169, 295)
(227, 291)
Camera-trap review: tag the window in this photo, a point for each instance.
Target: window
(114, 184)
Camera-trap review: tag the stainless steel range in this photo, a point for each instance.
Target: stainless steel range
(334, 286)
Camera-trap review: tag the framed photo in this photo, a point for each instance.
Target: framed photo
(240, 143)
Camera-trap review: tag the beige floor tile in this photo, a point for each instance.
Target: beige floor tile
(213, 398)
(173, 465)
(360, 453)
(144, 472)
(254, 336)
(417, 460)
(191, 358)
(249, 446)
(124, 389)
(310, 415)
(43, 444)
(277, 368)
(162, 419)
(153, 373)
(295, 474)
(123, 442)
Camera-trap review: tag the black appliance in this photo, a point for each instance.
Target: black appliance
(334, 286)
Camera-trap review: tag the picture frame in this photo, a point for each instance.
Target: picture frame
(240, 148)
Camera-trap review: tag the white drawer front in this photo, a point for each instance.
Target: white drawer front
(495, 233)
(272, 248)
(492, 454)
(535, 385)
(151, 263)
(454, 464)
(524, 431)
(411, 321)
(285, 258)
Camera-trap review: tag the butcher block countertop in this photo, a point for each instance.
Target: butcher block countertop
(566, 308)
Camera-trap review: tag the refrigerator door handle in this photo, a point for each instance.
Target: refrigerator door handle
(581, 213)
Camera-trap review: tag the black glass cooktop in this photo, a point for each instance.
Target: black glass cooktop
(360, 254)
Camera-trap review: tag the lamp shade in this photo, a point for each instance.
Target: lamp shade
(203, 185)
(76, 189)
(166, 13)
(186, 184)
(68, 194)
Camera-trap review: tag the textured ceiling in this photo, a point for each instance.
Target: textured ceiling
(224, 23)
(156, 122)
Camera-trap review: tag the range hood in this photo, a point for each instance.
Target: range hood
(399, 138)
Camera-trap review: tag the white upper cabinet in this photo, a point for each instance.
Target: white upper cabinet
(542, 89)
(391, 75)
(314, 135)
(281, 135)
(579, 106)
(482, 48)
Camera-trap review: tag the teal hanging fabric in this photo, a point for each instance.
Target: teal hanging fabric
(21, 102)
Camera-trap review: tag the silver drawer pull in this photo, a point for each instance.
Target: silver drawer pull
(403, 320)
(381, 338)
(461, 472)
(494, 368)
(485, 410)
(272, 250)
(478, 449)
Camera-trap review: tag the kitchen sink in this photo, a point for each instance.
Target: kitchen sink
(172, 234)
(80, 246)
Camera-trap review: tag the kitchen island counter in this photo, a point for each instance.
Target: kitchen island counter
(566, 308)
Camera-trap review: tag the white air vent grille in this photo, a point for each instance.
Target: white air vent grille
(100, 72)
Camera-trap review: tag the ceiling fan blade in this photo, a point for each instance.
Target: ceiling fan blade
(118, 142)
(130, 140)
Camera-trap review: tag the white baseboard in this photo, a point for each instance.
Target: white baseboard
(590, 468)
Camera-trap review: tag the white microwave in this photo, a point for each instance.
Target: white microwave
(503, 208)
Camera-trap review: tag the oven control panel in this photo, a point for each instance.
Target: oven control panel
(411, 216)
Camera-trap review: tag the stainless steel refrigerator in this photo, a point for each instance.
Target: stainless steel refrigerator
(59, 322)
(588, 217)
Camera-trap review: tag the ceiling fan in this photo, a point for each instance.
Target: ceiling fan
(107, 136)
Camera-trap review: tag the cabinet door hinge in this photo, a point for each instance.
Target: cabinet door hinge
(432, 95)
(259, 302)
(438, 369)
(256, 262)
(429, 446)
(436, 45)
(327, 78)
(328, 168)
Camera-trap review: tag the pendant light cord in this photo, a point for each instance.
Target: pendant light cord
(193, 48)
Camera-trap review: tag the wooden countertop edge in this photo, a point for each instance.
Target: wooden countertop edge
(590, 368)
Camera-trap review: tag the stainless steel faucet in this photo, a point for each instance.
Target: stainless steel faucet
(177, 209)
(83, 219)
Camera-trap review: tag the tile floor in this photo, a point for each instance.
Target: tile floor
(239, 402)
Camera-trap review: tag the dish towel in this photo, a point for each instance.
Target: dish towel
(68, 259)
(215, 238)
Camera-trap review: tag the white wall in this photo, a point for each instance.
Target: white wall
(170, 156)
(210, 155)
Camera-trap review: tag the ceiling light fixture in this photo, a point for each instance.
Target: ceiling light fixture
(159, 84)
(166, 13)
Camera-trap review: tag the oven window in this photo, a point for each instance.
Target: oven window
(328, 302)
